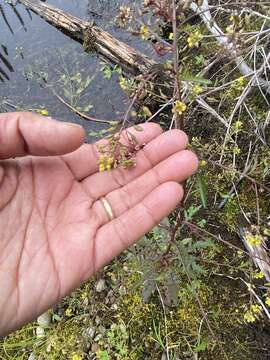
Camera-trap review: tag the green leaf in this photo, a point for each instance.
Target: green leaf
(201, 244)
(202, 346)
(202, 190)
(197, 268)
(56, 317)
(191, 211)
(186, 241)
(185, 76)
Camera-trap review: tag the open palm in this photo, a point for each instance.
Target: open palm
(55, 231)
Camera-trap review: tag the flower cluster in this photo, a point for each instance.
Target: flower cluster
(179, 107)
(197, 89)
(258, 275)
(254, 239)
(106, 163)
(267, 301)
(194, 39)
(144, 32)
(252, 313)
(124, 16)
(115, 153)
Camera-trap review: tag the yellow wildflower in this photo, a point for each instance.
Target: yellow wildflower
(236, 150)
(256, 309)
(146, 112)
(202, 163)
(238, 125)
(171, 36)
(249, 317)
(197, 89)
(145, 33)
(230, 29)
(241, 81)
(123, 83)
(43, 112)
(254, 240)
(267, 301)
(76, 357)
(105, 163)
(258, 275)
(68, 312)
(194, 39)
(179, 107)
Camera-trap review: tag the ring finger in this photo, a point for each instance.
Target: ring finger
(177, 167)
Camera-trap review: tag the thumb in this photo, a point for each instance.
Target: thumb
(31, 134)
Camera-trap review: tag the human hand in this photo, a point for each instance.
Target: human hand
(54, 229)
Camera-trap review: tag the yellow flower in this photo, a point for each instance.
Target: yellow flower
(102, 168)
(43, 112)
(202, 163)
(238, 125)
(146, 112)
(197, 89)
(249, 317)
(145, 33)
(267, 301)
(254, 240)
(68, 312)
(123, 83)
(105, 163)
(179, 107)
(256, 309)
(236, 150)
(171, 36)
(76, 357)
(230, 29)
(241, 81)
(258, 275)
(194, 39)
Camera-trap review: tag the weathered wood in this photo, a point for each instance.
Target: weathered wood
(95, 38)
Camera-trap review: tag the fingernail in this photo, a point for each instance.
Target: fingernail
(64, 122)
(72, 124)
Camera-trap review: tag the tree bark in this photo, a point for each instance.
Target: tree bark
(101, 41)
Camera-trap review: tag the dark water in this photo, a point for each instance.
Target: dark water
(44, 60)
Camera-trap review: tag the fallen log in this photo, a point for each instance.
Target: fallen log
(92, 37)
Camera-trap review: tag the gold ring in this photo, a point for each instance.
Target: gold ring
(107, 208)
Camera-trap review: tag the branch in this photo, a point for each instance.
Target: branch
(101, 41)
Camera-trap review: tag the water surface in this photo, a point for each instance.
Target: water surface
(43, 61)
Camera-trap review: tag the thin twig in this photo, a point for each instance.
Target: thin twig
(82, 115)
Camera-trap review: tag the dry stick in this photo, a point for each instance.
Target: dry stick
(82, 115)
(165, 322)
(101, 41)
(179, 122)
